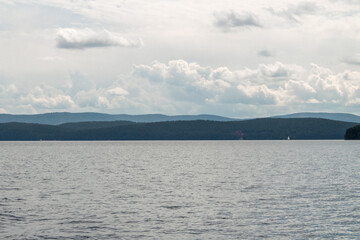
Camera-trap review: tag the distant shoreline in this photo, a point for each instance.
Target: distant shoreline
(255, 129)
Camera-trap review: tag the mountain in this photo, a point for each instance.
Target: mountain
(256, 129)
(345, 117)
(66, 117)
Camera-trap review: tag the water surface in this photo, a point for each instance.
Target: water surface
(180, 190)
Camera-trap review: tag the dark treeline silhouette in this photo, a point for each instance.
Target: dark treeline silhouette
(256, 129)
(353, 133)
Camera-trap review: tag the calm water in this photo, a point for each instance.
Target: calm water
(180, 190)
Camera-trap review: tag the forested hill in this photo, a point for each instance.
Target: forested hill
(265, 129)
(345, 117)
(353, 133)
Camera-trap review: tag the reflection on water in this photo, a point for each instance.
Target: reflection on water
(179, 190)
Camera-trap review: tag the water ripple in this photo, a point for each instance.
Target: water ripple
(180, 190)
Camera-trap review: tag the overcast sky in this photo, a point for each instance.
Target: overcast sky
(230, 57)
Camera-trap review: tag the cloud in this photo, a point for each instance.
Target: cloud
(10, 90)
(352, 60)
(71, 38)
(293, 12)
(111, 97)
(270, 84)
(347, 1)
(51, 59)
(231, 20)
(265, 53)
(118, 91)
(47, 97)
(185, 81)
(181, 87)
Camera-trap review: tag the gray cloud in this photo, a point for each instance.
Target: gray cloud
(352, 60)
(229, 20)
(347, 1)
(71, 38)
(294, 12)
(265, 53)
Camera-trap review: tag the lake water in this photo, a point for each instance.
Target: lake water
(180, 190)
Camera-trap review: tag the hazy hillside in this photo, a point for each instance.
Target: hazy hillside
(266, 128)
(345, 117)
(65, 117)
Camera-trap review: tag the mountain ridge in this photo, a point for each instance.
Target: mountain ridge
(57, 118)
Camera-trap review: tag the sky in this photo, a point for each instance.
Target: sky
(231, 57)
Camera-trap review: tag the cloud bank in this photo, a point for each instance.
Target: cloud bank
(71, 38)
(181, 87)
(269, 84)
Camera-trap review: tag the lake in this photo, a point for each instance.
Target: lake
(180, 190)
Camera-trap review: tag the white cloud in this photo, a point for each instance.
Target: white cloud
(191, 82)
(47, 97)
(10, 89)
(72, 38)
(118, 91)
(269, 84)
(181, 87)
(113, 97)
